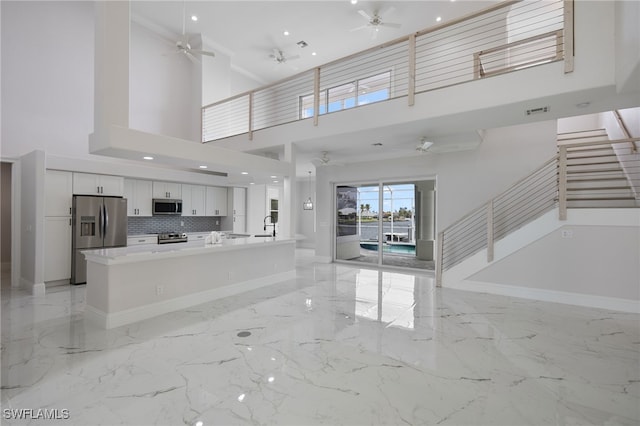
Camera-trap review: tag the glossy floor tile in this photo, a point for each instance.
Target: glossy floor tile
(339, 345)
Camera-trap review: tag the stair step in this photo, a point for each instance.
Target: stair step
(596, 176)
(581, 193)
(581, 204)
(604, 168)
(598, 186)
(592, 160)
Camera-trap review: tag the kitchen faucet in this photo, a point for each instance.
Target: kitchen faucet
(269, 224)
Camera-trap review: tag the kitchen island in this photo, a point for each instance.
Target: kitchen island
(129, 284)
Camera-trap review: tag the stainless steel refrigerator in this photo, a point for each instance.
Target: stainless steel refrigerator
(98, 222)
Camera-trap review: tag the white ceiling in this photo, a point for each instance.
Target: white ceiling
(248, 31)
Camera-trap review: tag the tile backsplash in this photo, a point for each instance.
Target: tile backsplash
(160, 224)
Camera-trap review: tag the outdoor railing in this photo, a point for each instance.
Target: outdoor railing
(503, 38)
(590, 174)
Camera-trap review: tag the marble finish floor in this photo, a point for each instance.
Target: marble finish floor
(339, 345)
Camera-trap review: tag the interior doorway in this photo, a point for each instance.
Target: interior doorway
(386, 223)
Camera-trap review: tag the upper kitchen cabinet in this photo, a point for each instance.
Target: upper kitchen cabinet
(216, 201)
(90, 184)
(167, 190)
(139, 194)
(193, 200)
(58, 193)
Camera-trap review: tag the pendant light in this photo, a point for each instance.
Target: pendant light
(308, 205)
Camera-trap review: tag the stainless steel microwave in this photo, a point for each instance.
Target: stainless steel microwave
(167, 206)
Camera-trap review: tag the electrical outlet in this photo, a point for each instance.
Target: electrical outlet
(217, 222)
(567, 233)
(182, 223)
(159, 290)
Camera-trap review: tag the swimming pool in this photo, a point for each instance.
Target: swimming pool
(391, 248)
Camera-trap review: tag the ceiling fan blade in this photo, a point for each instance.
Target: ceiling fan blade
(191, 57)
(365, 15)
(202, 52)
(360, 28)
(390, 24)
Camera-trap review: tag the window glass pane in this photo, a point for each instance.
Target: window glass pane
(374, 89)
(342, 97)
(306, 105)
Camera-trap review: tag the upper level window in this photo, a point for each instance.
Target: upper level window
(359, 92)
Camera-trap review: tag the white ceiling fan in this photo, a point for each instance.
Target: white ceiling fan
(281, 57)
(324, 160)
(183, 46)
(424, 145)
(375, 21)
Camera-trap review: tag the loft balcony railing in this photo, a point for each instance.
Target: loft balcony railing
(507, 37)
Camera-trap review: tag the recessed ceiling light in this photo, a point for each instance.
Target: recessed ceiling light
(194, 18)
(354, 1)
(245, 173)
(252, 183)
(439, 18)
(313, 53)
(273, 177)
(286, 32)
(147, 158)
(203, 167)
(583, 104)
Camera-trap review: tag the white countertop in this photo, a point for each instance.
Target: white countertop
(110, 256)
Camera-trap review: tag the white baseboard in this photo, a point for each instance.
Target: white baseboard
(579, 299)
(36, 289)
(129, 316)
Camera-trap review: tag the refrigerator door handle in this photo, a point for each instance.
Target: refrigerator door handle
(106, 220)
(101, 222)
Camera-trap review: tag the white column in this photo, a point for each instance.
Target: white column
(111, 65)
(290, 208)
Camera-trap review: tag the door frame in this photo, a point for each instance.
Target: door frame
(379, 182)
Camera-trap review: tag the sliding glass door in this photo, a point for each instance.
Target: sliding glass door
(386, 223)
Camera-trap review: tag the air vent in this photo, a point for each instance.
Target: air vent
(302, 43)
(540, 110)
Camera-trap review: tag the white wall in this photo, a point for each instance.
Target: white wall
(597, 260)
(464, 180)
(163, 87)
(306, 221)
(47, 77)
(627, 31)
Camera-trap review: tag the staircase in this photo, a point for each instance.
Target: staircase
(589, 171)
(595, 175)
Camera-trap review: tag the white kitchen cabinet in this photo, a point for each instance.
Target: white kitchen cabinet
(91, 184)
(193, 200)
(57, 248)
(58, 193)
(139, 195)
(170, 190)
(216, 201)
(142, 240)
(239, 210)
